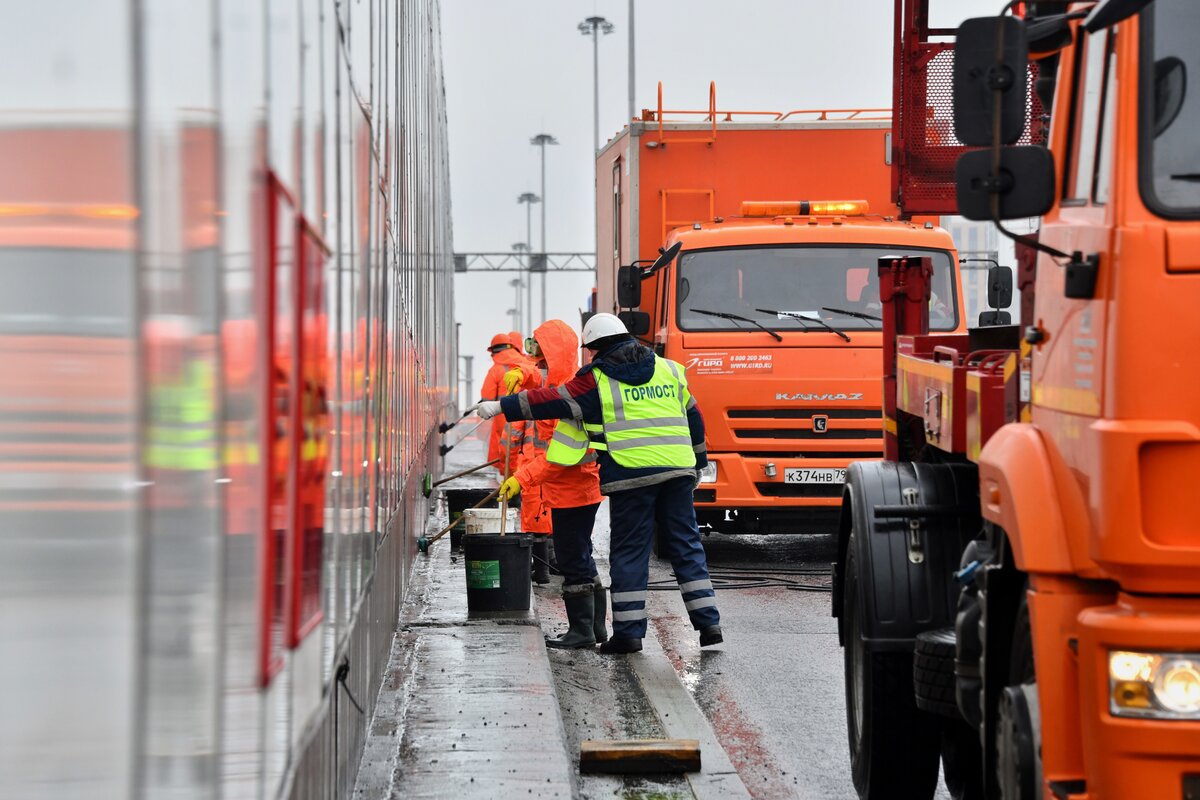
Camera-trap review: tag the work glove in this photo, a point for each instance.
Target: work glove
(510, 488)
(487, 409)
(513, 379)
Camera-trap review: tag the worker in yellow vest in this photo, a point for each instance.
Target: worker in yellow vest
(636, 410)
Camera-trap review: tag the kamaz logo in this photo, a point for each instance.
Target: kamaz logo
(825, 396)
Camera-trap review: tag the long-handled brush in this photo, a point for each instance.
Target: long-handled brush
(428, 484)
(446, 448)
(424, 543)
(507, 466)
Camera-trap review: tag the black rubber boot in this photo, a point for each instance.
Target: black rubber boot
(541, 572)
(618, 646)
(711, 635)
(578, 600)
(599, 629)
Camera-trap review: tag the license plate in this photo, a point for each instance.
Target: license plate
(806, 475)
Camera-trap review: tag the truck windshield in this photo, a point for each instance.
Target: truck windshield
(1170, 65)
(837, 285)
(66, 292)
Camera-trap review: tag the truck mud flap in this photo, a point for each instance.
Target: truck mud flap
(911, 522)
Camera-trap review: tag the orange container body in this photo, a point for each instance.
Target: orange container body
(775, 411)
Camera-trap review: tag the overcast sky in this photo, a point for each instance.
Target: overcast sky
(516, 68)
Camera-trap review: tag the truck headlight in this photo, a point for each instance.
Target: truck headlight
(708, 473)
(1154, 685)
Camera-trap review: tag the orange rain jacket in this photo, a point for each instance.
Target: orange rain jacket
(493, 389)
(561, 487)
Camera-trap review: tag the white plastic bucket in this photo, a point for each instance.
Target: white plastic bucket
(487, 520)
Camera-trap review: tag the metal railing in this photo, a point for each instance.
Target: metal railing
(524, 262)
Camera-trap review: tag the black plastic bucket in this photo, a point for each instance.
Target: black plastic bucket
(497, 570)
(457, 501)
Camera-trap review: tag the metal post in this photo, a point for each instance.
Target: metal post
(595, 89)
(543, 250)
(541, 140)
(594, 26)
(528, 270)
(632, 64)
(468, 367)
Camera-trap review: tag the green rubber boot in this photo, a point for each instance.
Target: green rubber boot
(579, 600)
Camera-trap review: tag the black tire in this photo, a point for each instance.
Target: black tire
(933, 673)
(1018, 760)
(894, 746)
(962, 761)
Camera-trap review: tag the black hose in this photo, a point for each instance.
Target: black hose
(722, 580)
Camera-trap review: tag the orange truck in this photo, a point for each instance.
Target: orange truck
(773, 223)
(1018, 584)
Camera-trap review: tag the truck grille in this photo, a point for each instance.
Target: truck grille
(804, 413)
(799, 489)
(806, 433)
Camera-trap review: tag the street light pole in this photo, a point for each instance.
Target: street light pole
(632, 105)
(528, 198)
(594, 26)
(541, 140)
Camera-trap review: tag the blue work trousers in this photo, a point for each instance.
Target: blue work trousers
(573, 542)
(635, 515)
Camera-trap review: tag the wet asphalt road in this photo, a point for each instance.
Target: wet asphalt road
(774, 690)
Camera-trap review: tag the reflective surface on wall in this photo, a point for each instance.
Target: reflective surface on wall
(226, 332)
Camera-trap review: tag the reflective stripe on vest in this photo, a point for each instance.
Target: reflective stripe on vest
(646, 425)
(571, 443)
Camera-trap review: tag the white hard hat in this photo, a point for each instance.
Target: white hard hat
(601, 326)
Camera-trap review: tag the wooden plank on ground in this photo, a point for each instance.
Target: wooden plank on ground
(623, 756)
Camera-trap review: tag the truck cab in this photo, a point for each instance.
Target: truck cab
(776, 316)
(772, 300)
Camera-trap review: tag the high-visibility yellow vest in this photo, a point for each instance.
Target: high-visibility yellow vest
(571, 443)
(646, 425)
(181, 433)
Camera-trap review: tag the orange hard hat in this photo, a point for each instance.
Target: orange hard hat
(517, 341)
(499, 339)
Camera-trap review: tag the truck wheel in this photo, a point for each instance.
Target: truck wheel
(962, 760)
(933, 673)
(894, 746)
(1018, 722)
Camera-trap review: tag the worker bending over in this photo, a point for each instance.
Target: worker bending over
(638, 413)
(570, 495)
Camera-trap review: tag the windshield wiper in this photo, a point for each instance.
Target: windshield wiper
(803, 318)
(727, 315)
(856, 314)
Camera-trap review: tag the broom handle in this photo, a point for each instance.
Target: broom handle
(457, 475)
(507, 464)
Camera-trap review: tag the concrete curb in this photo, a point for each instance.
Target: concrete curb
(682, 718)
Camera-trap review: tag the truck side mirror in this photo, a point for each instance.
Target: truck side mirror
(665, 257)
(629, 287)
(979, 75)
(636, 322)
(1000, 287)
(988, 319)
(1029, 196)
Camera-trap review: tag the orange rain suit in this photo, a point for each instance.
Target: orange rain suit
(494, 389)
(558, 486)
